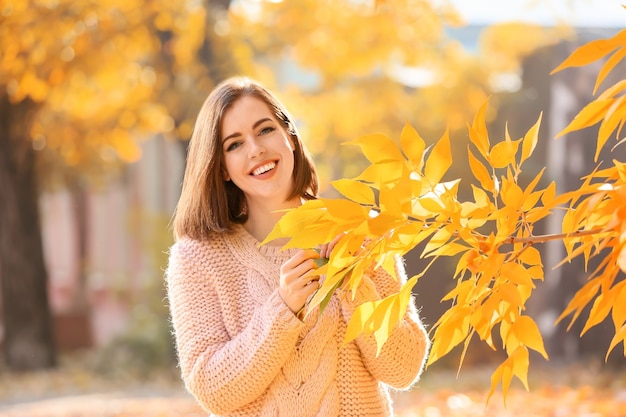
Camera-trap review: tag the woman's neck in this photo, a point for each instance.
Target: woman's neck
(262, 219)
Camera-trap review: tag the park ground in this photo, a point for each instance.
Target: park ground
(78, 388)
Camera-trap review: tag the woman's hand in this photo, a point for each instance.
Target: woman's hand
(297, 283)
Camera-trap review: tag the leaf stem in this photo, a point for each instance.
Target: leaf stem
(556, 236)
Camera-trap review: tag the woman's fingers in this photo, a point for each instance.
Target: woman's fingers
(298, 280)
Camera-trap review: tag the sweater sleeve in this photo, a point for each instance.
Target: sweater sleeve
(403, 355)
(224, 372)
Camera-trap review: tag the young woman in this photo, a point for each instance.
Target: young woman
(241, 348)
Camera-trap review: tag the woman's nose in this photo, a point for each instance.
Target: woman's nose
(256, 148)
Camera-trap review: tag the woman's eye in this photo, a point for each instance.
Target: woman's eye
(266, 130)
(232, 146)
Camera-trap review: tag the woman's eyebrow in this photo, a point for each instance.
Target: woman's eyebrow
(254, 126)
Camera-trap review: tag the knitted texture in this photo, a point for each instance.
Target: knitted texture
(242, 352)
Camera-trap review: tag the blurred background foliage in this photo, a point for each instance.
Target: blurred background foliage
(85, 84)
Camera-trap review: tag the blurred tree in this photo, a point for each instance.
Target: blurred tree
(81, 81)
(71, 88)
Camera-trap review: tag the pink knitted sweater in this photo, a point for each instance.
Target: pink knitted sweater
(242, 352)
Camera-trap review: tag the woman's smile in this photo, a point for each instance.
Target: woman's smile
(263, 169)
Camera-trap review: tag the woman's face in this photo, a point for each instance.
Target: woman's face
(258, 152)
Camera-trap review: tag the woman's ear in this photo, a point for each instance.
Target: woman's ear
(225, 175)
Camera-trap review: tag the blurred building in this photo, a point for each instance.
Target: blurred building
(100, 273)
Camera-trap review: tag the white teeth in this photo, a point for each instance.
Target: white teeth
(263, 169)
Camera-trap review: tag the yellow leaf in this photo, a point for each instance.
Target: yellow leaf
(478, 131)
(600, 309)
(620, 336)
(452, 328)
(510, 293)
(621, 259)
(392, 199)
(549, 195)
(359, 321)
(582, 297)
(527, 332)
(531, 256)
(384, 320)
(530, 140)
(346, 209)
(619, 308)
(310, 236)
(591, 51)
(503, 154)
(439, 238)
(480, 197)
(529, 189)
(355, 191)
(512, 195)
(516, 273)
(613, 90)
(496, 378)
(480, 172)
(591, 114)
(413, 146)
(615, 115)
(463, 287)
(405, 294)
(439, 160)
(449, 249)
(382, 173)
(515, 365)
(608, 66)
(431, 205)
(520, 365)
(378, 148)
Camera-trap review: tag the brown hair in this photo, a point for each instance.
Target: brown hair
(210, 203)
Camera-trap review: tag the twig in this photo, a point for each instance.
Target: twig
(557, 236)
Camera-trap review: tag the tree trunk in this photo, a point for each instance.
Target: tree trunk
(28, 334)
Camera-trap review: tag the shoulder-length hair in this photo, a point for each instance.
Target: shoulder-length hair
(209, 203)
